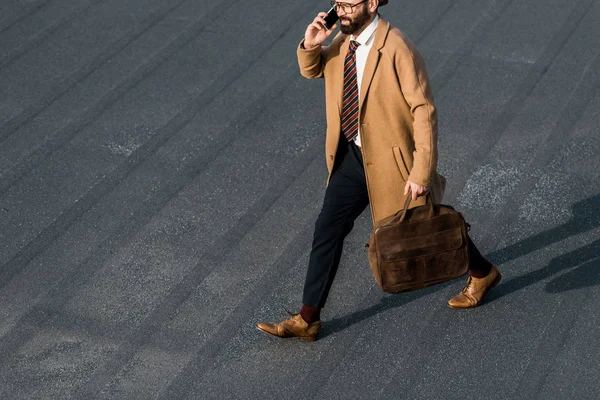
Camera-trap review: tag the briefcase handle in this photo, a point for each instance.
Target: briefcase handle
(428, 201)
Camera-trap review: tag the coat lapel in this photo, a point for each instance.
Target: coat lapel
(372, 59)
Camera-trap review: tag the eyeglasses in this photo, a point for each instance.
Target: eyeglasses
(347, 8)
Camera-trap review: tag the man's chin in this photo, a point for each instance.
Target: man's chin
(347, 29)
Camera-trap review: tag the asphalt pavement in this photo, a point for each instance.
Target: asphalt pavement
(162, 165)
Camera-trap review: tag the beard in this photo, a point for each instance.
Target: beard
(356, 23)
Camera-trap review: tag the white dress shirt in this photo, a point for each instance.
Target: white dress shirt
(366, 42)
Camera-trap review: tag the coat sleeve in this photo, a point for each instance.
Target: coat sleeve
(414, 81)
(311, 61)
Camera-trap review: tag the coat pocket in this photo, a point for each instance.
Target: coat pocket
(400, 162)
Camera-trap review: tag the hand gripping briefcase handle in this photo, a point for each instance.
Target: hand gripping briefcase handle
(418, 247)
(428, 202)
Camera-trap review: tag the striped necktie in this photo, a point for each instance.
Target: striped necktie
(350, 97)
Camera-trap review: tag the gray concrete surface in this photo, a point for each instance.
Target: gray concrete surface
(161, 168)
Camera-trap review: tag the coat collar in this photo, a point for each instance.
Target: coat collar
(383, 27)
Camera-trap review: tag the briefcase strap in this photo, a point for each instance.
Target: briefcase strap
(428, 200)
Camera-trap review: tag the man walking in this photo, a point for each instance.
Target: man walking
(381, 137)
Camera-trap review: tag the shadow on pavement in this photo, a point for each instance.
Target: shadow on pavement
(587, 273)
(586, 216)
(387, 302)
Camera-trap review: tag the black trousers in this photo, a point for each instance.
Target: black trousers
(346, 198)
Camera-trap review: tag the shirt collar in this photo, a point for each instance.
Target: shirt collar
(368, 33)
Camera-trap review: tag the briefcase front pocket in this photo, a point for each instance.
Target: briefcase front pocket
(401, 273)
(420, 272)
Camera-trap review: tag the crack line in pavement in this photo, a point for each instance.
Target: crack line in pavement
(42, 35)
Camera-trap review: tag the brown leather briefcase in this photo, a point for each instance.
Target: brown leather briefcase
(418, 247)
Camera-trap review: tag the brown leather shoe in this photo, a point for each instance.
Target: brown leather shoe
(293, 327)
(473, 292)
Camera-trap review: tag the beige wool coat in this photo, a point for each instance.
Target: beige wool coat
(397, 115)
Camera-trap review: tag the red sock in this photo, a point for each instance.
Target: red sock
(310, 313)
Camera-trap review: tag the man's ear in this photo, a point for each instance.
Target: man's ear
(373, 4)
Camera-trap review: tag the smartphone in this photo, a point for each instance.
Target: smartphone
(331, 18)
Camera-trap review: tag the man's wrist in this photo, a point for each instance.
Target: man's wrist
(305, 46)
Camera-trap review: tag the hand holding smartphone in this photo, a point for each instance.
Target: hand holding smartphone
(320, 29)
